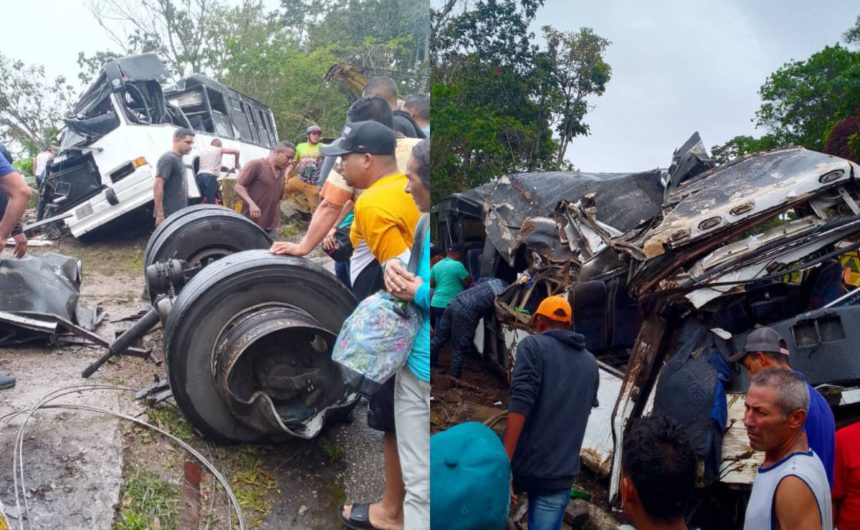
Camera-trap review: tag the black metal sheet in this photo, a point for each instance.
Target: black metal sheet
(47, 284)
(622, 200)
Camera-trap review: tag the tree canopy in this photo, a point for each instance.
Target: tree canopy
(31, 105)
(501, 103)
(279, 57)
(804, 99)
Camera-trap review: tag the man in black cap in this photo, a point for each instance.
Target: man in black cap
(765, 348)
(338, 197)
(384, 216)
(385, 219)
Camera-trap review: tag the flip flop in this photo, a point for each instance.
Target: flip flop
(359, 517)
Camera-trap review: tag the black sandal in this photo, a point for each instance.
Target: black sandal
(359, 517)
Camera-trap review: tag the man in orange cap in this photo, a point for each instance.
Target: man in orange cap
(553, 388)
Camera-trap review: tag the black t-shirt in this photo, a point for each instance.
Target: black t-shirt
(404, 123)
(172, 170)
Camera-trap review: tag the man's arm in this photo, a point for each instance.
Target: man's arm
(249, 174)
(525, 384)
(293, 171)
(234, 152)
(158, 199)
(163, 169)
(465, 277)
(324, 218)
(344, 211)
(512, 432)
(253, 209)
(795, 506)
(14, 185)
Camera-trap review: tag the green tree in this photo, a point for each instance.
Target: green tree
(493, 31)
(31, 104)
(804, 99)
(388, 37)
(576, 71)
(852, 36)
(484, 126)
(496, 95)
(268, 65)
(741, 145)
(189, 35)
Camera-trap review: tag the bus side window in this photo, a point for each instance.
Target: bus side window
(267, 127)
(240, 120)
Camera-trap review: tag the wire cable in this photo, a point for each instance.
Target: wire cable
(44, 403)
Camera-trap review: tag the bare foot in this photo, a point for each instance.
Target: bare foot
(379, 517)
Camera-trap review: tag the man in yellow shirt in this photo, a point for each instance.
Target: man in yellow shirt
(385, 219)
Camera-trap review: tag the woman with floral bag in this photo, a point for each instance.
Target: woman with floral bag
(412, 388)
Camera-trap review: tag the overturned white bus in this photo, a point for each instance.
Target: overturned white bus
(124, 122)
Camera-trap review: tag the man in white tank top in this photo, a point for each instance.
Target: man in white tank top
(790, 490)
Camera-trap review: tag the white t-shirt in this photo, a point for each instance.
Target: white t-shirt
(360, 259)
(210, 160)
(42, 161)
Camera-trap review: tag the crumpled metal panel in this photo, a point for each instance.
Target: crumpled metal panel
(621, 200)
(540, 235)
(45, 287)
(730, 194)
(48, 283)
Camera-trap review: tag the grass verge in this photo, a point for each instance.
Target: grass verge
(148, 502)
(241, 464)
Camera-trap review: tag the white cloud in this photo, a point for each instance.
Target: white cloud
(682, 66)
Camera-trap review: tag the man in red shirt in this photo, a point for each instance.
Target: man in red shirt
(846, 477)
(261, 185)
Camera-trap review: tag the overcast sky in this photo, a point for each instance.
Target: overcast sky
(680, 66)
(52, 32)
(677, 65)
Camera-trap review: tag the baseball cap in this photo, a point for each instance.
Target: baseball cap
(555, 308)
(362, 137)
(313, 129)
(763, 339)
(470, 479)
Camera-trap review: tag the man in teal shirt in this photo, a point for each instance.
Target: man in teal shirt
(447, 278)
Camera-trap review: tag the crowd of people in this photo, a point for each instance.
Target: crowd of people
(809, 478)
(367, 191)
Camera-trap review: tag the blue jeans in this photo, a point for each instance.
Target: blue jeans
(546, 508)
(207, 183)
(341, 270)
